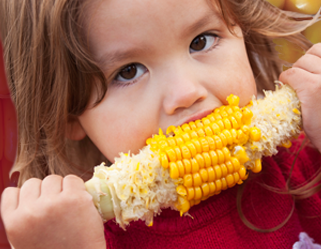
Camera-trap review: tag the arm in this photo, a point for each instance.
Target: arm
(54, 213)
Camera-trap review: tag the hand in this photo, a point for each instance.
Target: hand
(305, 79)
(54, 213)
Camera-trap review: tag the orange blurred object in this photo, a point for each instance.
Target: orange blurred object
(313, 33)
(277, 3)
(310, 7)
(288, 51)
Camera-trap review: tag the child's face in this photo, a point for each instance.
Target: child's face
(167, 62)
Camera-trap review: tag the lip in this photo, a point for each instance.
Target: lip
(198, 115)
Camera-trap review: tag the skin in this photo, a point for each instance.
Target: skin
(176, 85)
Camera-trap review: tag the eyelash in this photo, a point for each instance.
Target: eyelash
(130, 82)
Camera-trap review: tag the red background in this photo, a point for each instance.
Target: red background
(8, 140)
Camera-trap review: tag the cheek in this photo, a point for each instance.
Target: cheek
(112, 133)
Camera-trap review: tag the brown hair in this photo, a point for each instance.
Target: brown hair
(51, 73)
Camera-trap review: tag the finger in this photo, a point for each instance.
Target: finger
(30, 191)
(310, 63)
(9, 200)
(51, 185)
(315, 50)
(72, 183)
(301, 80)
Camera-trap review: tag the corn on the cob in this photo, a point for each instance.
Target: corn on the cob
(196, 160)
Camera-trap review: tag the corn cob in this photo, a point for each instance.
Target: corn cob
(196, 160)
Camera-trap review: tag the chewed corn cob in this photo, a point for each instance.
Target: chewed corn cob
(196, 160)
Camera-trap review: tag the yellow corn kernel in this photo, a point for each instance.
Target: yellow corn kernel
(181, 168)
(234, 122)
(173, 170)
(214, 157)
(205, 189)
(207, 159)
(223, 139)
(255, 134)
(218, 172)
(211, 174)
(230, 180)
(236, 177)
(257, 166)
(204, 144)
(247, 115)
(230, 167)
(198, 193)
(188, 180)
(211, 143)
(228, 135)
(233, 100)
(191, 148)
(212, 187)
(186, 127)
(179, 140)
(171, 154)
(186, 137)
(181, 190)
(195, 166)
(206, 121)
(208, 131)
(224, 183)
(192, 125)
(218, 142)
(204, 175)
(198, 123)
(240, 153)
(220, 123)
(164, 160)
(229, 110)
(235, 163)
(296, 111)
(177, 152)
(193, 134)
(220, 156)
(197, 180)
(200, 132)
(190, 193)
(185, 152)
(182, 205)
(187, 166)
(224, 169)
(287, 144)
(197, 145)
(200, 161)
(242, 172)
(215, 128)
(218, 185)
(227, 123)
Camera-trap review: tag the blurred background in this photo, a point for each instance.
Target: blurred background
(8, 122)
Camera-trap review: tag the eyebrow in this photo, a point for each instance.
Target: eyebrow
(108, 59)
(210, 17)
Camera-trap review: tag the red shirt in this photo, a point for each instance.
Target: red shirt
(217, 224)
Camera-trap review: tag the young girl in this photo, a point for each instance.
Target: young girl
(91, 79)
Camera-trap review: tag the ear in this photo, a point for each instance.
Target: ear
(74, 130)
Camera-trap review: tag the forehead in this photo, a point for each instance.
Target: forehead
(129, 21)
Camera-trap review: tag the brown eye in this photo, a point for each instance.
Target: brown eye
(130, 72)
(203, 42)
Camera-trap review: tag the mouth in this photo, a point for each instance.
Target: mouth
(198, 116)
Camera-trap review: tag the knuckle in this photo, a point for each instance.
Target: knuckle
(72, 177)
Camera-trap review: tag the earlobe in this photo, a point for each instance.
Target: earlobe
(74, 130)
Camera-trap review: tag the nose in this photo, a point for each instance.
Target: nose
(184, 88)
